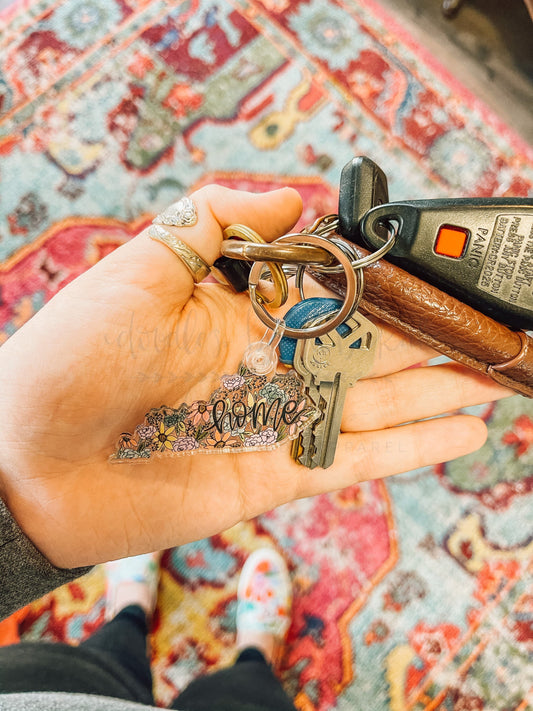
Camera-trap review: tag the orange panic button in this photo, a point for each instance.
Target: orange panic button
(451, 241)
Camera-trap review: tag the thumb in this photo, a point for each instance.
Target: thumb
(270, 214)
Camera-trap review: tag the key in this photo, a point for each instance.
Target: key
(328, 365)
(335, 362)
(363, 185)
(303, 448)
(479, 250)
(305, 440)
(301, 315)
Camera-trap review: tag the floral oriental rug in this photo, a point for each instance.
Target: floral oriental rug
(412, 593)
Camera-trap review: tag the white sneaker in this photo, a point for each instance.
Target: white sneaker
(132, 581)
(264, 597)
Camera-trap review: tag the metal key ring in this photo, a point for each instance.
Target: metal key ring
(359, 275)
(350, 298)
(312, 256)
(278, 275)
(323, 226)
(369, 259)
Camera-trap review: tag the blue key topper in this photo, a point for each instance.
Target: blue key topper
(299, 315)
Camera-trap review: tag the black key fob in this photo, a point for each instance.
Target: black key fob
(363, 185)
(477, 249)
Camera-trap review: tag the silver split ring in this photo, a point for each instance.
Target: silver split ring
(353, 288)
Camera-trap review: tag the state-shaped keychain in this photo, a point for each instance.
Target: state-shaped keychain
(250, 411)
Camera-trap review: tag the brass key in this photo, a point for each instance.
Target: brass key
(332, 364)
(303, 449)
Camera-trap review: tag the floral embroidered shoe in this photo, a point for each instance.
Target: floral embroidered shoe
(132, 581)
(263, 604)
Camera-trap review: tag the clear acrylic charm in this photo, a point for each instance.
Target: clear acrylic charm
(248, 412)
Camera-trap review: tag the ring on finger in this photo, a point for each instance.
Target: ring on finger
(194, 263)
(180, 214)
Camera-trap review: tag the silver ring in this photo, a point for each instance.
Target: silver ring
(359, 275)
(351, 297)
(323, 226)
(180, 214)
(364, 261)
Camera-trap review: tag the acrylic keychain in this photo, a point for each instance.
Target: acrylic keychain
(248, 412)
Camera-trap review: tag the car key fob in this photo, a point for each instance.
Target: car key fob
(479, 250)
(363, 185)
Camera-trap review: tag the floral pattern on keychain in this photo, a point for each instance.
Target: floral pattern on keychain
(247, 412)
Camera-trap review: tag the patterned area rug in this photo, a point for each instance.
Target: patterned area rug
(412, 593)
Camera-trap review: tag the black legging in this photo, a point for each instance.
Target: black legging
(113, 662)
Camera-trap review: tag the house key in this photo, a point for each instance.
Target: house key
(329, 365)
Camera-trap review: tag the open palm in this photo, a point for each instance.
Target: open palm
(135, 333)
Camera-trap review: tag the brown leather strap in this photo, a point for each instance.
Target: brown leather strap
(444, 323)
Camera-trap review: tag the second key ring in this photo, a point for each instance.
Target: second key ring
(354, 286)
(278, 275)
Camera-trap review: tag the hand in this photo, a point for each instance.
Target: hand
(133, 333)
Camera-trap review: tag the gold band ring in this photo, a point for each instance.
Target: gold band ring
(194, 263)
